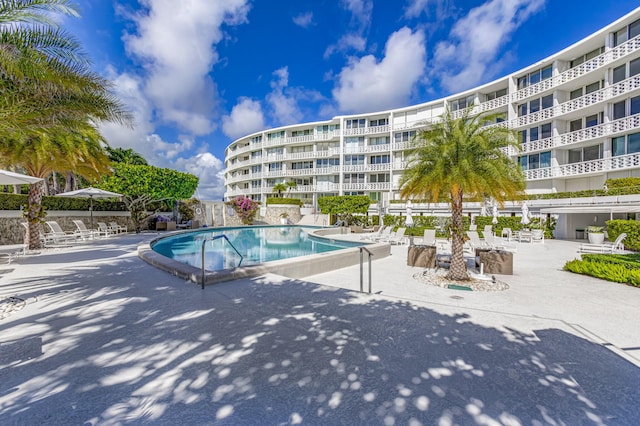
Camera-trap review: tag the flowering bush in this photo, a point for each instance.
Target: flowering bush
(245, 207)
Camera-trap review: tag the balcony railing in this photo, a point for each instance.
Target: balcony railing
(621, 162)
(367, 130)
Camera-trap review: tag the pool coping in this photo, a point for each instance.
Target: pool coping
(295, 267)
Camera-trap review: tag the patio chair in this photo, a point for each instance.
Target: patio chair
(616, 247)
(429, 237)
(506, 232)
(57, 235)
(488, 229)
(12, 251)
(398, 237)
(384, 234)
(102, 227)
(537, 236)
(83, 231)
(114, 226)
(475, 241)
(373, 235)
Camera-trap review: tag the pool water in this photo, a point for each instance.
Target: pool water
(257, 244)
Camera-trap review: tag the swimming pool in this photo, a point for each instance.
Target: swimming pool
(257, 244)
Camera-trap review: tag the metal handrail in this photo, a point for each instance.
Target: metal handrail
(363, 249)
(212, 240)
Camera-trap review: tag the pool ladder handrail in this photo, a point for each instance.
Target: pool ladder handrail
(362, 250)
(203, 277)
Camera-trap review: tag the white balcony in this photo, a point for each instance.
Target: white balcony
(384, 186)
(360, 131)
(629, 161)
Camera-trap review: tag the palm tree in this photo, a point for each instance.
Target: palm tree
(461, 158)
(49, 91)
(280, 188)
(291, 185)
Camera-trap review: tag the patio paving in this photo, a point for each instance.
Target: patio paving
(106, 339)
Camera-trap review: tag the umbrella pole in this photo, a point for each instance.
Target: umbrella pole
(91, 211)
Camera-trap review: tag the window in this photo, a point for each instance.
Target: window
(575, 156)
(275, 135)
(619, 73)
(545, 131)
(462, 103)
(354, 178)
(547, 101)
(301, 132)
(302, 165)
(497, 94)
(404, 136)
(524, 162)
(275, 167)
(533, 134)
(256, 154)
(575, 125)
(327, 162)
(379, 159)
(255, 184)
(304, 148)
(633, 143)
(580, 59)
(591, 120)
(522, 110)
(534, 106)
(327, 128)
(545, 159)
(620, 36)
(592, 87)
(378, 122)
(256, 169)
(619, 110)
(634, 29)
(634, 105)
(354, 144)
(634, 67)
(618, 146)
(575, 94)
(523, 136)
(256, 139)
(534, 161)
(592, 152)
(535, 77)
(383, 140)
(356, 123)
(354, 160)
(275, 151)
(379, 178)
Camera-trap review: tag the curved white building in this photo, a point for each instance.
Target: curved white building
(577, 113)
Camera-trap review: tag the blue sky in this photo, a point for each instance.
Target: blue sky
(197, 74)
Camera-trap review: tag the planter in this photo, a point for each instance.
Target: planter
(284, 221)
(596, 237)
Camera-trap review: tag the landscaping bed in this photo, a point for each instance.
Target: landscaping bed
(620, 268)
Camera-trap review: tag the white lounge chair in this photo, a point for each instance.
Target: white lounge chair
(475, 241)
(398, 237)
(57, 235)
(616, 247)
(102, 227)
(537, 236)
(114, 226)
(83, 231)
(488, 229)
(506, 232)
(12, 251)
(373, 235)
(384, 234)
(429, 237)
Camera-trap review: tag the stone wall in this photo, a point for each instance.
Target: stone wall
(12, 232)
(271, 215)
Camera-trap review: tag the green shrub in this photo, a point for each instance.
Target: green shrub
(15, 201)
(632, 229)
(288, 201)
(605, 270)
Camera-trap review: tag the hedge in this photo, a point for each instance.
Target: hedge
(280, 200)
(16, 201)
(616, 268)
(631, 227)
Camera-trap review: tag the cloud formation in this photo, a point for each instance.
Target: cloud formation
(304, 20)
(471, 53)
(175, 47)
(355, 37)
(246, 117)
(367, 84)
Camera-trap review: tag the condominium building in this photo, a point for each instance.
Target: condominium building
(577, 114)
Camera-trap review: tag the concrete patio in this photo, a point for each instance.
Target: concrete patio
(107, 339)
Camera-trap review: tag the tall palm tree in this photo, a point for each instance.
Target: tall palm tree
(48, 89)
(280, 187)
(458, 158)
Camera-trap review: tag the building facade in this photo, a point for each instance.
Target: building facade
(577, 114)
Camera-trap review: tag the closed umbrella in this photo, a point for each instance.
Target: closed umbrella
(12, 178)
(495, 213)
(409, 220)
(525, 214)
(90, 193)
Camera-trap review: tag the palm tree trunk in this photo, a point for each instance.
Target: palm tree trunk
(458, 269)
(34, 215)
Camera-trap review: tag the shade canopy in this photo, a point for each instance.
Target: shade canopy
(89, 193)
(12, 178)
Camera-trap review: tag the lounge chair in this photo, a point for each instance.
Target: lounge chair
(506, 232)
(616, 247)
(102, 227)
(537, 236)
(398, 237)
(429, 237)
(83, 231)
(117, 228)
(57, 235)
(384, 234)
(488, 229)
(475, 241)
(12, 251)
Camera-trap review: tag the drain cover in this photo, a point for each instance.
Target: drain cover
(457, 297)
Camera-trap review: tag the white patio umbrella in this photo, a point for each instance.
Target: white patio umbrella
(12, 178)
(409, 220)
(494, 211)
(525, 214)
(89, 193)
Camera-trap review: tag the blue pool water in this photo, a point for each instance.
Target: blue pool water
(257, 244)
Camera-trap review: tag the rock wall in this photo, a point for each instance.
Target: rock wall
(12, 232)
(271, 215)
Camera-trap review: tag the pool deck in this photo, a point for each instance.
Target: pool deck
(105, 338)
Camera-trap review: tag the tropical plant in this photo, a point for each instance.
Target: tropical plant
(461, 157)
(279, 188)
(291, 185)
(128, 156)
(245, 207)
(48, 92)
(344, 205)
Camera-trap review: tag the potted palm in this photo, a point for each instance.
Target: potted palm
(284, 218)
(596, 234)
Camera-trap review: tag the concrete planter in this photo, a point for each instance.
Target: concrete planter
(596, 237)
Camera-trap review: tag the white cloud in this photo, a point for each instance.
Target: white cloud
(304, 20)
(415, 8)
(282, 100)
(368, 85)
(175, 46)
(471, 54)
(246, 117)
(361, 11)
(350, 41)
(210, 170)
(354, 38)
